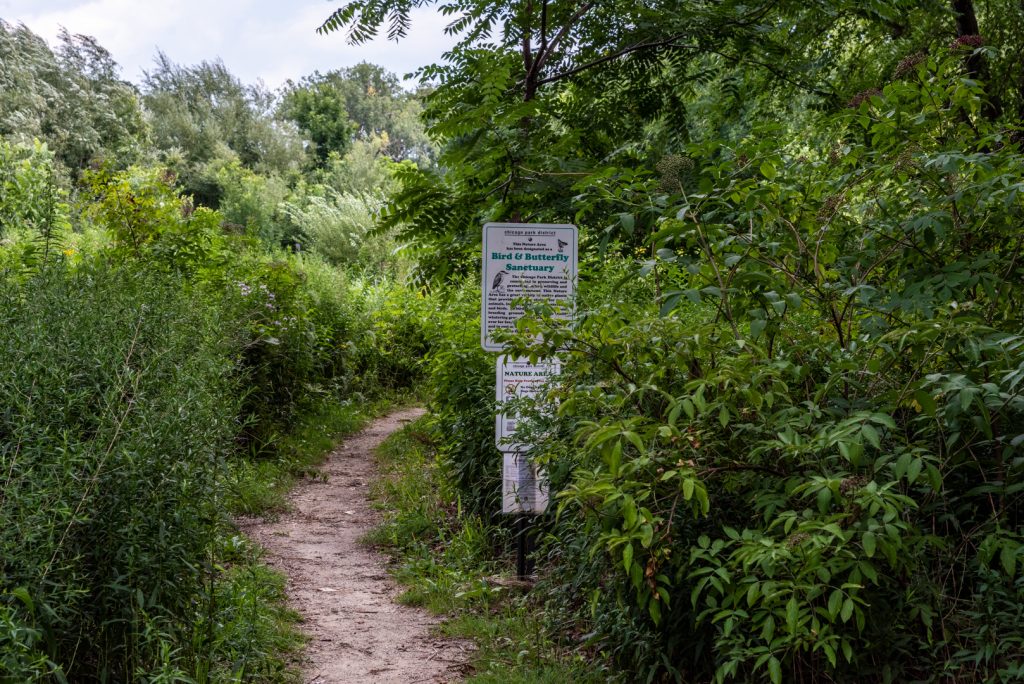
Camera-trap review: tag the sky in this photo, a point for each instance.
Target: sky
(268, 40)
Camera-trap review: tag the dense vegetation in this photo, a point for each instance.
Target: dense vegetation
(787, 443)
(789, 430)
(185, 294)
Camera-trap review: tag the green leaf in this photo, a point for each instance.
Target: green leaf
(926, 402)
(629, 513)
(835, 602)
(851, 451)
(899, 468)
(914, 470)
(824, 499)
(830, 653)
(654, 608)
(869, 542)
(768, 170)
(723, 416)
(1008, 557)
(689, 409)
(628, 222)
(753, 591)
(768, 630)
(23, 595)
(870, 434)
(627, 557)
(775, 670)
(792, 614)
(847, 612)
(757, 327)
(635, 440)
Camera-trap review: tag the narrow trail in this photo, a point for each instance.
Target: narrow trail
(357, 631)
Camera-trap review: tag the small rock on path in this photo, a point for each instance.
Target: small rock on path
(342, 590)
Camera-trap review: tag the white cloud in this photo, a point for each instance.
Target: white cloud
(257, 39)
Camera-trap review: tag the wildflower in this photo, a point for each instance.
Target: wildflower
(797, 539)
(671, 167)
(69, 252)
(849, 485)
(829, 207)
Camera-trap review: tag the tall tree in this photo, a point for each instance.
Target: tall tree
(204, 113)
(73, 98)
(538, 95)
(360, 102)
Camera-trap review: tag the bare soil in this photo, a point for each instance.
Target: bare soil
(357, 633)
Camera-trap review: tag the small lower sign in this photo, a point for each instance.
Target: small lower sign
(524, 488)
(517, 379)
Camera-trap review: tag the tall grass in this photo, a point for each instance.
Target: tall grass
(119, 407)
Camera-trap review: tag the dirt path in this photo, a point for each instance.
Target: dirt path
(357, 632)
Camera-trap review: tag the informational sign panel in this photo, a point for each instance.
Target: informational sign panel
(536, 261)
(524, 489)
(517, 379)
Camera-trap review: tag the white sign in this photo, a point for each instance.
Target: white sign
(524, 489)
(535, 261)
(516, 379)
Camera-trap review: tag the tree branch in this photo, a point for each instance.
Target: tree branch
(614, 55)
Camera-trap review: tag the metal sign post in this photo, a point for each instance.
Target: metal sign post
(536, 262)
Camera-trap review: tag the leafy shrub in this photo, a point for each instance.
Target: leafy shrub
(393, 350)
(800, 458)
(33, 206)
(253, 202)
(337, 227)
(118, 411)
(150, 222)
(461, 387)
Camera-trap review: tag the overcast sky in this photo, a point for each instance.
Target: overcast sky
(272, 40)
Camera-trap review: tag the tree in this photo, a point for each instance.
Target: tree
(72, 99)
(789, 425)
(361, 102)
(537, 97)
(318, 109)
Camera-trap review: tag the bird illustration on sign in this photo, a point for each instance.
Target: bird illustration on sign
(500, 280)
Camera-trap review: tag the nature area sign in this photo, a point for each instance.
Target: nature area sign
(535, 261)
(524, 489)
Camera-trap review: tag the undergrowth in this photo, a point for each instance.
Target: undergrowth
(445, 557)
(259, 485)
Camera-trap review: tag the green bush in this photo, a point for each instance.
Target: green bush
(33, 207)
(461, 389)
(151, 223)
(118, 411)
(800, 458)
